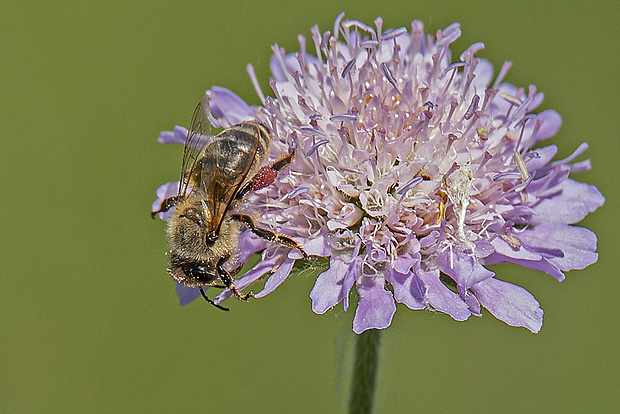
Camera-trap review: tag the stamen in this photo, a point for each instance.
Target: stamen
(369, 44)
(343, 117)
(523, 185)
(409, 185)
(506, 176)
(296, 191)
(388, 74)
(392, 33)
(512, 99)
(313, 131)
(337, 25)
(454, 66)
(580, 150)
(472, 107)
(502, 73)
(316, 146)
(347, 68)
(349, 23)
(250, 69)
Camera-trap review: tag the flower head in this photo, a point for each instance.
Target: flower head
(413, 174)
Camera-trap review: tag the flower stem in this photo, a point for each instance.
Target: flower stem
(365, 367)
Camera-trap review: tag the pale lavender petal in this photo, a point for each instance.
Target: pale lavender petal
(509, 303)
(187, 294)
(375, 308)
(463, 268)
(577, 244)
(484, 75)
(441, 298)
(542, 157)
(177, 136)
(551, 122)
(317, 247)
(327, 290)
(575, 201)
(263, 267)
(248, 245)
(407, 289)
(225, 104)
(291, 64)
(277, 278)
(543, 265)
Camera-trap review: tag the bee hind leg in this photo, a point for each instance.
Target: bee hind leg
(266, 175)
(269, 235)
(227, 280)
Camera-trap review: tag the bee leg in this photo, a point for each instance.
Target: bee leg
(266, 175)
(228, 280)
(204, 295)
(167, 204)
(269, 235)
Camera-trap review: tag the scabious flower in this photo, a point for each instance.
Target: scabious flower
(413, 175)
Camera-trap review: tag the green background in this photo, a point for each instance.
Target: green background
(89, 321)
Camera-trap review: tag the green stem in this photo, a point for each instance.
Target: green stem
(365, 367)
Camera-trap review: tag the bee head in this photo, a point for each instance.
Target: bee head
(191, 273)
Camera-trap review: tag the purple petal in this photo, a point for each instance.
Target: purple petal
(577, 244)
(441, 298)
(316, 247)
(543, 265)
(187, 294)
(404, 262)
(551, 122)
(248, 245)
(407, 289)
(277, 278)
(177, 136)
(544, 155)
(375, 308)
(509, 303)
(575, 201)
(330, 287)
(290, 62)
(484, 75)
(251, 276)
(463, 268)
(224, 103)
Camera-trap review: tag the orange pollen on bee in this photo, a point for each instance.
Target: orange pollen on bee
(265, 176)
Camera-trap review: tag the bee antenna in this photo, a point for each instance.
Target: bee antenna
(204, 295)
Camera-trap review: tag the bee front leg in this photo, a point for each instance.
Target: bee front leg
(268, 234)
(265, 176)
(167, 204)
(228, 281)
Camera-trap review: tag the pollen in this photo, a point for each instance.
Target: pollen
(265, 176)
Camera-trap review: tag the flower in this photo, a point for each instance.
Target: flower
(413, 175)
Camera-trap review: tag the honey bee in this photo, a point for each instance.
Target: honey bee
(203, 231)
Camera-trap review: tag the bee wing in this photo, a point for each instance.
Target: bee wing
(196, 140)
(233, 161)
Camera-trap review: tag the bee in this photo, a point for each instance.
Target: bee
(203, 231)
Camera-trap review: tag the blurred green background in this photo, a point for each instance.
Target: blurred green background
(89, 321)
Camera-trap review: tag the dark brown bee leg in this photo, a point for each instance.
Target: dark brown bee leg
(167, 204)
(228, 280)
(269, 235)
(266, 175)
(204, 295)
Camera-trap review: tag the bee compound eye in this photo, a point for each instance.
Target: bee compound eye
(211, 237)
